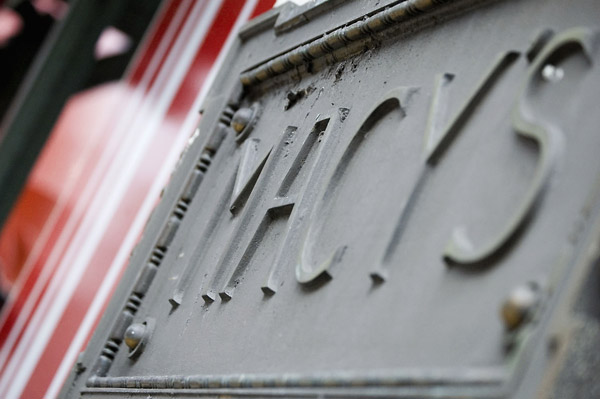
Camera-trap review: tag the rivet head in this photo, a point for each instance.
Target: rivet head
(134, 335)
(241, 119)
(552, 73)
(519, 306)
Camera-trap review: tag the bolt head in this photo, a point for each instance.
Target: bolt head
(134, 335)
(519, 306)
(241, 119)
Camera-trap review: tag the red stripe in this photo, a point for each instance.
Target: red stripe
(148, 49)
(208, 52)
(261, 7)
(188, 8)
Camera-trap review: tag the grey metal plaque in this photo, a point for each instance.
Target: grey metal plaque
(383, 198)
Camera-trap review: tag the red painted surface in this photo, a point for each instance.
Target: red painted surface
(54, 167)
(183, 12)
(148, 49)
(53, 208)
(64, 143)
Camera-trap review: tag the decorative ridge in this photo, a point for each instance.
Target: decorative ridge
(398, 378)
(339, 38)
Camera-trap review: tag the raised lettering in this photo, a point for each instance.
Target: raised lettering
(548, 137)
(437, 141)
(255, 223)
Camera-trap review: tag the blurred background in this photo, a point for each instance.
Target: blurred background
(98, 98)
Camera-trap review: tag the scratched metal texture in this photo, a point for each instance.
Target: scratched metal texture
(401, 169)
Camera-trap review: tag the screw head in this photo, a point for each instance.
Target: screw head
(241, 119)
(134, 335)
(519, 306)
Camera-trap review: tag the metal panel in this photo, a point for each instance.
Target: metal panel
(404, 204)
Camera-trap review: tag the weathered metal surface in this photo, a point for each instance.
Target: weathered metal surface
(413, 213)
